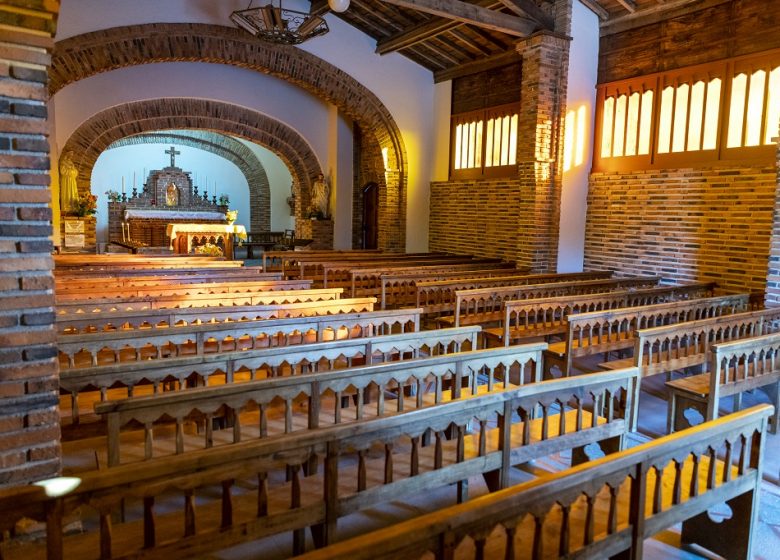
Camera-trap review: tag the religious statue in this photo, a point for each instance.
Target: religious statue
(69, 194)
(320, 197)
(171, 195)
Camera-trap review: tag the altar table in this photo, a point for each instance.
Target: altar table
(184, 237)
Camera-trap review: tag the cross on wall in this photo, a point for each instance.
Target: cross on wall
(173, 152)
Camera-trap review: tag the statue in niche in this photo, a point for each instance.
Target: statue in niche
(320, 197)
(171, 195)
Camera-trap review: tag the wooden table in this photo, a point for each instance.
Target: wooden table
(185, 237)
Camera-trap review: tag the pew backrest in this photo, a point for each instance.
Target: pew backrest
(109, 292)
(626, 525)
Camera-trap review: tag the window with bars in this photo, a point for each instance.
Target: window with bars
(484, 143)
(724, 111)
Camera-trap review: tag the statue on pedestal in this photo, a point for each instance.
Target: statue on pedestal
(320, 197)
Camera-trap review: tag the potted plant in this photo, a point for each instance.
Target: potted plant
(86, 205)
(113, 196)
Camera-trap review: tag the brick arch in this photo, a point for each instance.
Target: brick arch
(229, 149)
(84, 55)
(94, 136)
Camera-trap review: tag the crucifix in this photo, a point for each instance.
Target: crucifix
(173, 153)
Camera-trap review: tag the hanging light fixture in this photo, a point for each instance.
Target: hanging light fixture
(279, 25)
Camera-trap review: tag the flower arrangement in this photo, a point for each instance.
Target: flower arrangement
(224, 200)
(231, 216)
(209, 249)
(113, 196)
(86, 205)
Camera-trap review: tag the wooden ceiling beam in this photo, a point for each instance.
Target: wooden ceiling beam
(596, 8)
(628, 5)
(530, 9)
(654, 14)
(471, 14)
(480, 65)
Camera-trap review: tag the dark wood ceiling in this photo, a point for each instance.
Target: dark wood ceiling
(451, 38)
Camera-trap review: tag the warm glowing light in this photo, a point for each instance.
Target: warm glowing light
(620, 126)
(472, 147)
(478, 148)
(568, 139)
(773, 106)
(385, 157)
(497, 138)
(513, 140)
(458, 144)
(489, 144)
(755, 109)
(665, 122)
(607, 125)
(579, 144)
(632, 121)
(59, 486)
(504, 141)
(645, 123)
(696, 116)
(736, 111)
(712, 111)
(680, 118)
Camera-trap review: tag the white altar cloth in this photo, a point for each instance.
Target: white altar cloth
(173, 214)
(173, 229)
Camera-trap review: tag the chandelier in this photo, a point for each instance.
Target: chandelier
(279, 25)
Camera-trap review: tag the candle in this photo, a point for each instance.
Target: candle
(123, 184)
(133, 180)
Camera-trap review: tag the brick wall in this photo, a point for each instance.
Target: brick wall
(773, 276)
(683, 224)
(29, 418)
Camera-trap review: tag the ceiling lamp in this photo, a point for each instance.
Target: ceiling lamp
(338, 5)
(278, 25)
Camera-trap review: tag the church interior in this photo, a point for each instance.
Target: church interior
(451, 279)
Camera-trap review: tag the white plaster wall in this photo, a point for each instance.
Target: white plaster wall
(280, 182)
(138, 160)
(404, 87)
(583, 67)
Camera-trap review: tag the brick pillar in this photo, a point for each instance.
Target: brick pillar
(543, 95)
(772, 296)
(29, 417)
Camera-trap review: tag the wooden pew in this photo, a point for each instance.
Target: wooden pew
(70, 308)
(484, 306)
(158, 343)
(324, 390)
(399, 289)
(338, 273)
(81, 322)
(286, 261)
(734, 367)
(628, 497)
(310, 265)
(367, 281)
(436, 297)
(613, 330)
(113, 293)
(270, 503)
(544, 317)
(175, 278)
(72, 263)
(264, 363)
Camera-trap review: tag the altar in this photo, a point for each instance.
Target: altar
(186, 238)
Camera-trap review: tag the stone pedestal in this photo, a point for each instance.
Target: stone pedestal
(321, 231)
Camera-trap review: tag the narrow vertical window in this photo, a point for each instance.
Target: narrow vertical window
(773, 106)
(755, 109)
(646, 123)
(665, 122)
(737, 110)
(458, 145)
(607, 120)
(696, 117)
(680, 118)
(513, 140)
(632, 122)
(711, 114)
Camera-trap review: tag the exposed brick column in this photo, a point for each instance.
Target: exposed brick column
(772, 298)
(29, 418)
(543, 94)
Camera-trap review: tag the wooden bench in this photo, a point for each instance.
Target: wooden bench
(613, 330)
(115, 293)
(310, 266)
(484, 306)
(287, 261)
(158, 343)
(399, 289)
(436, 297)
(71, 308)
(606, 508)
(734, 367)
(516, 426)
(482, 371)
(367, 281)
(105, 263)
(131, 281)
(294, 360)
(545, 317)
(81, 322)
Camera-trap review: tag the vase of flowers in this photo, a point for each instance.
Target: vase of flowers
(230, 216)
(209, 249)
(113, 196)
(86, 205)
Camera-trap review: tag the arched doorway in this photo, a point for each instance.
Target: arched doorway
(370, 223)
